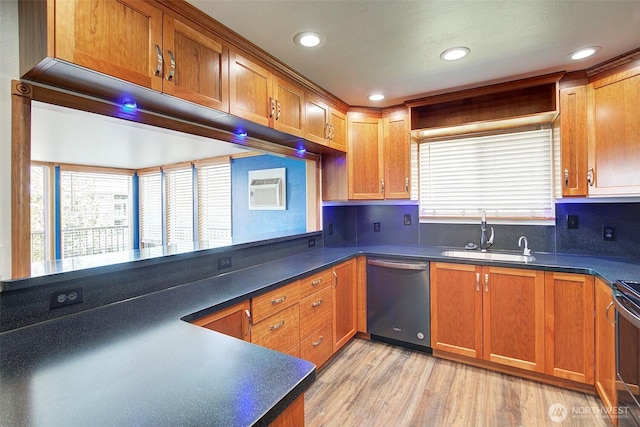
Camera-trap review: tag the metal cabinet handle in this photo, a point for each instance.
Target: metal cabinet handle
(316, 282)
(566, 177)
(278, 109)
(590, 180)
(277, 326)
(248, 314)
(159, 66)
(278, 300)
(317, 343)
(606, 314)
(327, 131)
(486, 282)
(406, 184)
(382, 185)
(316, 303)
(331, 132)
(477, 282)
(336, 277)
(172, 60)
(272, 103)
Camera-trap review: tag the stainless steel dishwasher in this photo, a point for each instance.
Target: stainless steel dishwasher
(398, 303)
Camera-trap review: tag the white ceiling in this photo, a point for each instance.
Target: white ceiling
(394, 46)
(63, 135)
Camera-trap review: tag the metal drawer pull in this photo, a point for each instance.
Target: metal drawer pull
(317, 343)
(279, 300)
(278, 326)
(173, 66)
(477, 282)
(316, 303)
(606, 314)
(159, 67)
(248, 313)
(316, 282)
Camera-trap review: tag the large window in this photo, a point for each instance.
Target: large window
(179, 205)
(510, 175)
(95, 212)
(214, 202)
(150, 209)
(40, 217)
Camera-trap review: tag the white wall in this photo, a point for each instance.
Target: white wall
(8, 71)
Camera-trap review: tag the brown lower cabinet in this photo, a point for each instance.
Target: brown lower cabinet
(233, 321)
(605, 375)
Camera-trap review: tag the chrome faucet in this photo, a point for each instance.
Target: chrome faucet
(526, 251)
(484, 242)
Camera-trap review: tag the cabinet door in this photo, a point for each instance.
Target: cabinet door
(344, 303)
(365, 157)
(317, 119)
(513, 317)
(290, 107)
(250, 90)
(456, 309)
(196, 65)
(338, 130)
(397, 157)
(614, 151)
(573, 140)
(569, 326)
(605, 376)
(92, 34)
(233, 321)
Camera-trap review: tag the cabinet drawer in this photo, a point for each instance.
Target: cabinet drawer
(314, 283)
(274, 301)
(318, 348)
(315, 311)
(279, 332)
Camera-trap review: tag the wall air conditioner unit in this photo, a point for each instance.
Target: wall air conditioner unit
(267, 189)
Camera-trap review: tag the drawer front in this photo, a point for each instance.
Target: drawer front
(280, 332)
(315, 311)
(318, 348)
(315, 282)
(265, 305)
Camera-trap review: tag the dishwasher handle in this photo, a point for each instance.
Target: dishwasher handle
(398, 265)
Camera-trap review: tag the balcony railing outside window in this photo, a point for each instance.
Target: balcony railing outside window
(95, 240)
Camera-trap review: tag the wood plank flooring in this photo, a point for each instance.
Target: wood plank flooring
(374, 384)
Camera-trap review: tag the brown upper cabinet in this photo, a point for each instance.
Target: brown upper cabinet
(163, 52)
(259, 95)
(325, 125)
(573, 138)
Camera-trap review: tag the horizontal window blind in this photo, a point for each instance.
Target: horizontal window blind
(509, 175)
(150, 187)
(179, 185)
(40, 230)
(214, 203)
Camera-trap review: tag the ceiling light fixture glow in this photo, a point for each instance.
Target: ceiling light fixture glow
(308, 39)
(376, 97)
(455, 53)
(583, 53)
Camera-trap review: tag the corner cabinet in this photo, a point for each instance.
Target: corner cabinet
(260, 96)
(614, 151)
(573, 140)
(490, 313)
(344, 303)
(569, 331)
(234, 321)
(605, 341)
(326, 125)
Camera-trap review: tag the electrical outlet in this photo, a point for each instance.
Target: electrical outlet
(572, 222)
(66, 297)
(330, 229)
(608, 233)
(312, 242)
(224, 262)
(376, 226)
(407, 219)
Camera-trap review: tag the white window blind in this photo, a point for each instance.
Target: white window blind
(95, 212)
(179, 205)
(150, 185)
(509, 175)
(214, 203)
(40, 230)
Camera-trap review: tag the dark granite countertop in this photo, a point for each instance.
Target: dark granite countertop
(137, 362)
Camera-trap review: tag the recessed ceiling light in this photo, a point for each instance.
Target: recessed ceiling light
(308, 39)
(583, 53)
(455, 53)
(376, 97)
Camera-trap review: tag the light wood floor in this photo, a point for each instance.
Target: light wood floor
(374, 384)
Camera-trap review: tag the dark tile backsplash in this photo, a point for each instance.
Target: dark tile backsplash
(355, 224)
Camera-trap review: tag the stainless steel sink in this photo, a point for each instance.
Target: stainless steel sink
(489, 256)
